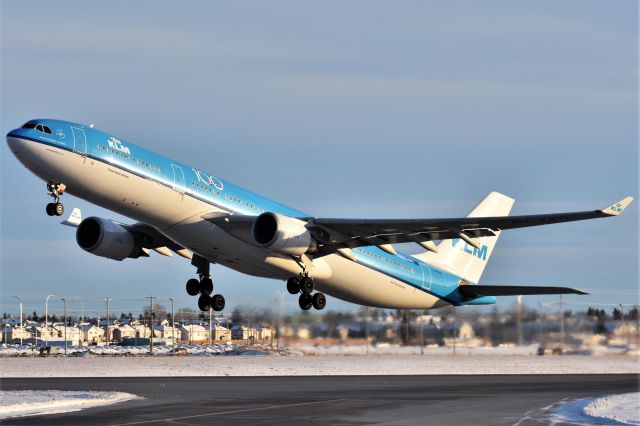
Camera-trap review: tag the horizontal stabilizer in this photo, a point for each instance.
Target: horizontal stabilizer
(473, 291)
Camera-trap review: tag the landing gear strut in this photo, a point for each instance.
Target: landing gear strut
(55, 190)
(304, 285)
(204, 286)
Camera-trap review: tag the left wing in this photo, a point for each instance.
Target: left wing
(336, 235)
(351, 233)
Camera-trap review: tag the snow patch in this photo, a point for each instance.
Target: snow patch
(623, 408)
(35, 403)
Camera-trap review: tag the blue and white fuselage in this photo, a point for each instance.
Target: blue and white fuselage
(173, 198)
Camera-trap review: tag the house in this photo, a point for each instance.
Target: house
(265, 332)
(121, 332)
(241, 332)
(193, 333)
(73, 335)
(165, 331)
(91, 333)
(142, 330)
(14, 334)
(220, 333)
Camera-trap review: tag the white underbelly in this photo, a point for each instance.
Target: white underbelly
(358, 284)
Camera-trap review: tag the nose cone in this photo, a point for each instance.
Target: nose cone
(14, 140)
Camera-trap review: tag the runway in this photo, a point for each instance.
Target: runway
(342, 400)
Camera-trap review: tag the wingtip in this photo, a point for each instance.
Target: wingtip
(617, 208)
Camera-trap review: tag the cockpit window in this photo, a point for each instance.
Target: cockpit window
(29, 125)
(44, 129)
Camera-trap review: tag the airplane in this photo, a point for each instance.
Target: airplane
(199, 216)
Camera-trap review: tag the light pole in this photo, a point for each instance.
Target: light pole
(210, 331)
(151, 324)
(173, 329)
(107, 331)
(65, 325)
(21, 331)
(46, 318)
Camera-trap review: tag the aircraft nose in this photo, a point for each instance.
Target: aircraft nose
(15, 141)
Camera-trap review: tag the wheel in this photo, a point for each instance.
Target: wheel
(193, 287)
(293, 285)
(206, 286)
(319, 301)
(305, 301)
(58, 209)
(49, 209)
(204, 302)
(217, 302)
(306, 284)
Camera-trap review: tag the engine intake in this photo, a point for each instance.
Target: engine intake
(282, 234)
(106, 238)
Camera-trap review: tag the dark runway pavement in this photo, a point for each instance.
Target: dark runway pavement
(341, 400)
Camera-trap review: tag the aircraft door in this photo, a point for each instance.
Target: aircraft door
(178, 178)
(427, 278)
(79, 140)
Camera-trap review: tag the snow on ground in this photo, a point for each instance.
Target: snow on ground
(243, 365)
(624, 408)
(32, 403)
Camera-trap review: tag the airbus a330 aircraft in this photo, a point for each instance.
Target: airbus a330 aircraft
(191, 212)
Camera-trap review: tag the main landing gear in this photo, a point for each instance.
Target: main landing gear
(55, 190)
(204, 286)
(304, 285)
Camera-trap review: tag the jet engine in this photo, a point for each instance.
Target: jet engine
(106, 238)
(282, 234)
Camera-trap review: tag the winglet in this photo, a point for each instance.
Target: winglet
(616, 209)
(74, 218)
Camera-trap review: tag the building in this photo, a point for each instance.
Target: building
(165, 331)
(73, 335)
(121, 332)
(14, 334)
(220, 333)
(91, 333)
(193, 333)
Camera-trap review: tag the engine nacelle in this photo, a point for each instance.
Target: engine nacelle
(282, 234)
(106, 238)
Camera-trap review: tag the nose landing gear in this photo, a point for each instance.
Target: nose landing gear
(55, 190)
(204, 286)
(304, 285)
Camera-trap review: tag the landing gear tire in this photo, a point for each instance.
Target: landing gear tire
(217, 302)
(306, 284)
(206, 286)
(58, 209)
(204, 302)
(319, 301)
(305, 301)
(50, 209)
(193, 287)
(293, 285)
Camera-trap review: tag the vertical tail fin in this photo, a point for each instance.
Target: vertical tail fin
(462, 259)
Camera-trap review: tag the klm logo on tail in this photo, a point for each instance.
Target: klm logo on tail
(480, 254)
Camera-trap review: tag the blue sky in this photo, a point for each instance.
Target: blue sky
(343, 109)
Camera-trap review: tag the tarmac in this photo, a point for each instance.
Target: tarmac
(338, 400)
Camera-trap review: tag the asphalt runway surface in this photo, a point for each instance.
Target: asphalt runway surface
(337, 400)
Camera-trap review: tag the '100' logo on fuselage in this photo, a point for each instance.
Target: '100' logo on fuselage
(209, 180)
